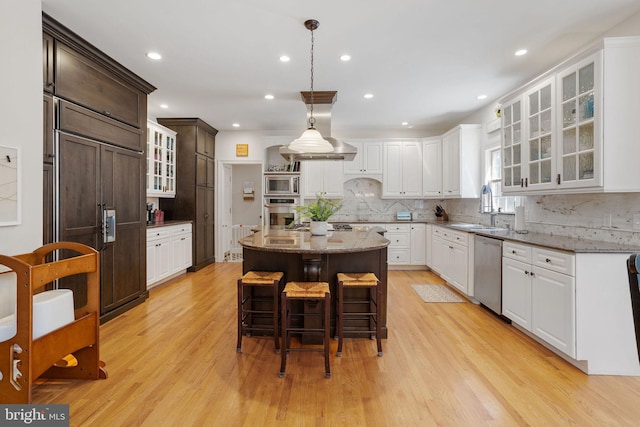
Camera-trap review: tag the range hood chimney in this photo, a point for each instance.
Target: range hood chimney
(322, 103)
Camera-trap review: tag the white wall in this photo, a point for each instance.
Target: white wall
(21, 115)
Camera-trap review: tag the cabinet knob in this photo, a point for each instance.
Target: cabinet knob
(513, 252)
(526, 272)
(547, 260)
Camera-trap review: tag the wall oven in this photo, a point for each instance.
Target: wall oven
(282, 184)
(280, 212)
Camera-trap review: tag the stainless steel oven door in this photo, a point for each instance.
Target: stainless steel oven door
(279, 216)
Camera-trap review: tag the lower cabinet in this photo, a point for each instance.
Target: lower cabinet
(538, 293)
(450, 256)
(168, 252)
(399, 236)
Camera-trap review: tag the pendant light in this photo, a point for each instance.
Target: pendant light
(311, 141)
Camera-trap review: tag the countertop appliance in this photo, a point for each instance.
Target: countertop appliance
(282, 184)
(487, 270)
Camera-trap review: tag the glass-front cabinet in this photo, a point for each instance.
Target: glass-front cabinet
(512, 145)
(161, 156)
(580, 135)
(540, 140)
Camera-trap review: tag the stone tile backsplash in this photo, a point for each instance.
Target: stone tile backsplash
(604, 217)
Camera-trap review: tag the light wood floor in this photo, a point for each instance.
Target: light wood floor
(172, 362)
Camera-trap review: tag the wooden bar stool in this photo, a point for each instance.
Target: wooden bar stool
(305, 291)
(359, 280)
(264, 279)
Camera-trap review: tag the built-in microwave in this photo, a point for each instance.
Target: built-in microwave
(281, 184)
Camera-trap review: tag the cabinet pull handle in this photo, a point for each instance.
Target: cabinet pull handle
(107, 113)
(521, 182)
(547, 260)
(526, 272)
(526, 182)
(558, 179)
(513, 252)
(532, 274)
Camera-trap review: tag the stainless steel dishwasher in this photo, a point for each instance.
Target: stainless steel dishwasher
(487, 270)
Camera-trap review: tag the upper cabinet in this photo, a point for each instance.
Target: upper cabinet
(161, 155)
(461, 162)
(432, 167)
(367, 163)
(322, 176)
(573, 129)
(402, 169)
(47, 62)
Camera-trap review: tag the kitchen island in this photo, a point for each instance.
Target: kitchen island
(303, 257)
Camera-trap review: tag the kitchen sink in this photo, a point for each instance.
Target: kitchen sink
(480, 227)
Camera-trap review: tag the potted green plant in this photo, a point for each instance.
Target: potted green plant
(318, 213)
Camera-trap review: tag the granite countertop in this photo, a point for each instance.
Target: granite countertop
(550, 241)
(293, 241)
(167, 223)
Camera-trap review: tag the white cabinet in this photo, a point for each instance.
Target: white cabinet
(168, 252)
(161, 159)
(538, 293)
(322, 176)
(367, 162)
(432, 167)
(461, 162)
(402, 169)
(450, 256)
(418, 244)
(399, 249)
(572, 129)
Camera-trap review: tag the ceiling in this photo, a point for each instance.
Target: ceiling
(425, 61)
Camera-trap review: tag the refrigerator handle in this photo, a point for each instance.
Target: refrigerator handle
(109, 225)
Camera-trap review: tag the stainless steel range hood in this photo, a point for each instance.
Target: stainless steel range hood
(323, 101)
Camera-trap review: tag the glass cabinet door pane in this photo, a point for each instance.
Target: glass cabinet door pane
(585, 78)
(516, 133)
(545, 147)
(507, 177)
(516, 175)
(569, 87)
(586, 107)
(533, 127)
(507, 156)
(533, 104)
(586, 165)
(568, 168)
(545, 122)
(534, 149)
(507, 137)
(569, 141)
(516, 112)
(506, 118)
(545, 98)
(533, 174)
(568, 113)
(586, 137)
(516, 155)
(545, 171)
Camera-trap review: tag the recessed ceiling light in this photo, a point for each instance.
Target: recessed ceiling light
(345, 58)
(236, 125)
(268, 96)
(154, 55)
(285, 58)
(368, 95)
(405, 123)
(164, 106)
(482, 96)
(521, 52)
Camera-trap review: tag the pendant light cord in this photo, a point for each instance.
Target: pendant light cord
(312, 120)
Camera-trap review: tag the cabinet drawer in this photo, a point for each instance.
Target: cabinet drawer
(561, 262)
(82, 121)
(158, 233)
(85, 82)
(451, 235)
(398, 240)
(516, 251)
(398, 228)
(399, 256)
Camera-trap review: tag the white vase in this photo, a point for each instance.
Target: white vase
(318, 228)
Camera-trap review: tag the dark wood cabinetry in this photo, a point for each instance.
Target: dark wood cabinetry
(98, 115)
(194, 201)
(47, 168)
(47, 62)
